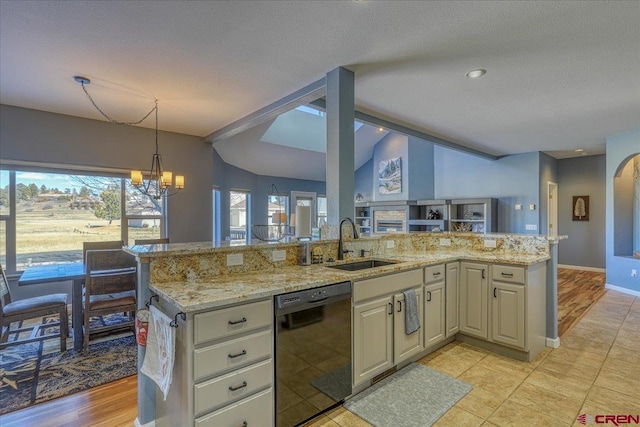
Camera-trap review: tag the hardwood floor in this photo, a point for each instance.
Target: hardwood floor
(577, 291)
(115, 404)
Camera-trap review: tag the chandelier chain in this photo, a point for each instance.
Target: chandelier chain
(106, 116)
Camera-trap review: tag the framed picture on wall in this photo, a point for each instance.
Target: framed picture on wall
(390, 176)
(580, 208)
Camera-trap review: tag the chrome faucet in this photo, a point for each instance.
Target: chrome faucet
(341, 252)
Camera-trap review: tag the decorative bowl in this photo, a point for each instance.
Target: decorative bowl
(271, 233)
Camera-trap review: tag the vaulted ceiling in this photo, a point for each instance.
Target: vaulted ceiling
(560, 75)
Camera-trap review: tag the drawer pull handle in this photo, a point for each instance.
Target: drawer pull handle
(428, 295)
(390, 308)
(507, 274)
(437, 273)
(242, 353)
(399, 306)
(494, 293)
(243, 385)
(232, 322)
(483, 273)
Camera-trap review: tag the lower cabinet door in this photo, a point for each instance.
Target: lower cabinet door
(434, 313)
(254, 411)
(372, 339)
(405, 346)
(507, 314)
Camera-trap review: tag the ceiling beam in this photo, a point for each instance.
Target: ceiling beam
(302, 96)
(409, 131)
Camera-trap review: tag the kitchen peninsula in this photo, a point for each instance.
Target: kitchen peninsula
(227, 305)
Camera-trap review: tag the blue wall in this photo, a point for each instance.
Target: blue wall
(582, 176)
(227, 177)
(391, 146)
(620, 148)
(548, 173)
(421, 178)
(364, 180)
(511, 179)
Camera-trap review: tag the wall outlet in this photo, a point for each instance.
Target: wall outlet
(634, 272)
(445, 242)
(235, 259)
(531, 227)
(390, 244)
(489, 243)
(278, 255)
(532, 207)
(518, 207)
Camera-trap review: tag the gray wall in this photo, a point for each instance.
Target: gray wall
(48, 138)
(623, 205)
(620, 148)
(582, 176)
(421, 178)
(364, 180)
(511, 179)
(227, 177)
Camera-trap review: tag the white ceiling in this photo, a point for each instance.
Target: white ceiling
(561, 75)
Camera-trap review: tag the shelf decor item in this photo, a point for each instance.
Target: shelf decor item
(580, 208)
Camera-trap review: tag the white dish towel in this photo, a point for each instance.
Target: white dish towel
(161, 343)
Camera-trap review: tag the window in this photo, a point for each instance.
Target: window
(216, 215)
(278, 209)
(54, 213)
(322, 211)
(239, 206)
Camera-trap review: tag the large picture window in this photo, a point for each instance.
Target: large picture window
(52, 214)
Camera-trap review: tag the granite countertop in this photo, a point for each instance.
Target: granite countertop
(207, 293)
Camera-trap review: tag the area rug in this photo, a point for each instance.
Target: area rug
(416, 396)
(36, 372)
(335, 384)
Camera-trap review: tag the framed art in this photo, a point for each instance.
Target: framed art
(390, 176)
(580, 208)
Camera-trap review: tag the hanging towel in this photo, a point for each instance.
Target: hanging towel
(161, 342)
(411, 318)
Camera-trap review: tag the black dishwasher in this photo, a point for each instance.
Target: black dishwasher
(313, 352)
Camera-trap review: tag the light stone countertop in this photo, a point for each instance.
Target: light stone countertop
(208, 293)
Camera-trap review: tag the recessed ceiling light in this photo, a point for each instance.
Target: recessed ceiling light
(380, 129)
(474, 74)
(579, 150)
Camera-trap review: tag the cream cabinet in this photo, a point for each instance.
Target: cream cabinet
(452, 297)
(504, 305)
(223, 370)
(379, 338)
(434, 313)
(473, 299)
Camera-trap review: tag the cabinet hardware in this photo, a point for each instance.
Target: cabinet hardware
(242, 353)
(232, 322)
(494, 293)
(428, 296)
(243, 385)
(507, 274)
(390, 308)
(483, 273)
(437, 273)
(399, 306)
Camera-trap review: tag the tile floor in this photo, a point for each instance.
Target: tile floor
(596, 370)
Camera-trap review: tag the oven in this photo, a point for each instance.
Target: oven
(313, 352)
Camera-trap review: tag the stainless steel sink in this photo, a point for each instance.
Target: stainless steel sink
(362, 265)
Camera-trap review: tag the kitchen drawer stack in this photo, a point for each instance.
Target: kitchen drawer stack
(230, 368)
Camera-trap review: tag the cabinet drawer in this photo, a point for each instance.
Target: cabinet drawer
(504, 273)
(221, 323)
(210, 360)
(434, 273)
(254, 411)
(233, 386)
(385, 285)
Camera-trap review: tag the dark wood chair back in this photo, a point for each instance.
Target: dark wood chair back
(110, 244)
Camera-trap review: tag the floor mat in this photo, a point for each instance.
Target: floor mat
(414, 396)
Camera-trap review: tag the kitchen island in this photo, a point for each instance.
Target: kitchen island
(195, 279)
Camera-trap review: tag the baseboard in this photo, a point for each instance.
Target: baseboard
(579, 267)
(136, 423)
(623, 290)
(553, 342)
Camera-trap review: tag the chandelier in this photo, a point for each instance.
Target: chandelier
(157, 182)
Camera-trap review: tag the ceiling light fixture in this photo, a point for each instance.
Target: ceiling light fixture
(579, 150)
(380, 129)
(157, 182)
(474, 74)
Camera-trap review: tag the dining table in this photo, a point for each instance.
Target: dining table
(61, 272)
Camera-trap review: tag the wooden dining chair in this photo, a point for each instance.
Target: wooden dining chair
(109, 287)
(89, 246)
(164, 240)
(32, 308)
